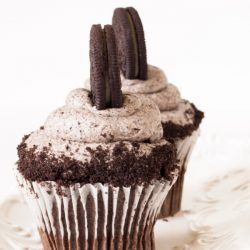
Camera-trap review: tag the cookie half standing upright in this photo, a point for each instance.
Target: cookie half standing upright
(96, 173)
(180, 118)
(104, 78)
(131, 43)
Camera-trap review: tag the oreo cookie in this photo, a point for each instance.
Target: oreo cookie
(131, 43)
(104, 69)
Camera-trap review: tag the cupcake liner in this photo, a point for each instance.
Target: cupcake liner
(172, 203)
(95, 216)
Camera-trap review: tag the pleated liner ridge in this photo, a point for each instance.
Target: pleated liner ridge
(95, 216)
(172, 203)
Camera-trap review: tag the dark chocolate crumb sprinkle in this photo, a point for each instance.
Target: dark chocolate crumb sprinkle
(122, 168)
(136, 145)
(173, 131)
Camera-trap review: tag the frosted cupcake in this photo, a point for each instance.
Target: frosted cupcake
(96, 174)
(180, 118)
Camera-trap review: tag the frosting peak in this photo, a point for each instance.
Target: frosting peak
(155, 82)
(138, 120)
(156, 87)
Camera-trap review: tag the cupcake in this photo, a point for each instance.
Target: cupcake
(180, 118)
(97, 172)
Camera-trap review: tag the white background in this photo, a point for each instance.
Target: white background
(202, 45)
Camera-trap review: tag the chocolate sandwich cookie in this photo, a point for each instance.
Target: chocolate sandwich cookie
(104, 70)
(131, 43)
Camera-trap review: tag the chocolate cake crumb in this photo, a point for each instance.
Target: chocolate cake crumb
(175, 131)
(136, 145)
(124, 167)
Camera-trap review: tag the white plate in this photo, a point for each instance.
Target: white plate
(17, 231)
(221, 214)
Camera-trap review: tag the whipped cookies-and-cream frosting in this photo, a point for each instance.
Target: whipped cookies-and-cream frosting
(69, 130)
(166, 96)
(138, 120)
(156, 87)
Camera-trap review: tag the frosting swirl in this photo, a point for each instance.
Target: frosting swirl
(138, 120)
(81, 151)
(183, 115)
(166, 96)
(155, 82)
(156, 87)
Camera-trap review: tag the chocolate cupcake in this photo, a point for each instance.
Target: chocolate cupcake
(180, 118)
(96, 174)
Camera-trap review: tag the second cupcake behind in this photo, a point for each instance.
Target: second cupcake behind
(180, 118)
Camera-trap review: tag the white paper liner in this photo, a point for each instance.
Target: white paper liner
(172, 203)
(95, 216)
